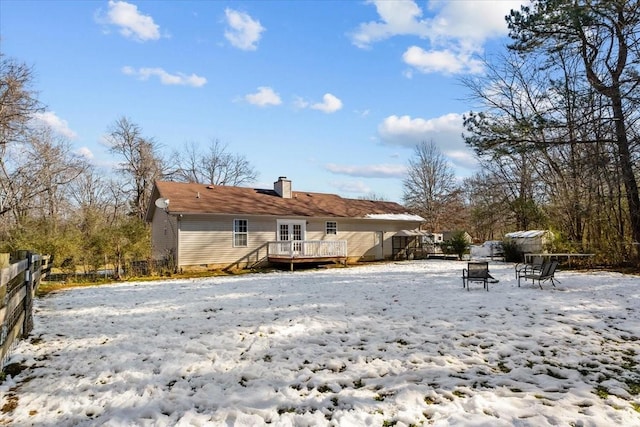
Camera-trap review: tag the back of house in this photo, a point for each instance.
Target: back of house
(211, 226)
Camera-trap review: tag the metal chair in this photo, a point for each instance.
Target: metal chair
(545, 273)
(476, 272)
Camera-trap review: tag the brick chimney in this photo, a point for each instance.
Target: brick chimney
(283, 187)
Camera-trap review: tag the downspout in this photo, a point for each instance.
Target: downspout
(177, 242)
(175, 250)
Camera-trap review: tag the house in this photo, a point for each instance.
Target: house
(198, 225)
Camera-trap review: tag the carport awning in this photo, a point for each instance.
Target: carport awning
(412, 233)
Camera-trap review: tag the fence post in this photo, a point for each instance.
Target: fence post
(4, 260)
(28, 298)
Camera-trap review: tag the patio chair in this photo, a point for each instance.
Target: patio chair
(476, 272)
(545, 273)
(529, 268)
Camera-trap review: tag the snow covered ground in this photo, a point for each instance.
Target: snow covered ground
(380, 345)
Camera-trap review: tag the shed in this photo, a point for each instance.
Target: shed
(530, 241)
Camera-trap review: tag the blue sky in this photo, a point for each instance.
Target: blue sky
(334, 95)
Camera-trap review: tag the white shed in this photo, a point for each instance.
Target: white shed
(530, 241)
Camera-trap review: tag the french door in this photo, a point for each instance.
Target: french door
(290, 230)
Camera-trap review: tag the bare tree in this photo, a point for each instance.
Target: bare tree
(550, 154)
(141, 163)
(18, 100)
(604, 35)
(485, 206)
(378, 197)
(213, 165)
(54, 166)
(430, 187)
(18, 104)
(89, 190)
(97, 200)
(37, 173)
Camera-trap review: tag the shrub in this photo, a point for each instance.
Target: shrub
(457, 245)
(512, 252)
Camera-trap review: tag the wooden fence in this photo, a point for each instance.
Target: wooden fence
(20, 277)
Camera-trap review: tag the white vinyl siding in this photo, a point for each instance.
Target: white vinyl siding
(208, 239)
(361, 236)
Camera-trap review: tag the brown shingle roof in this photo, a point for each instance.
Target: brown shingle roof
(214, 199)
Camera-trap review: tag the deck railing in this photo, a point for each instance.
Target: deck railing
(308, 248)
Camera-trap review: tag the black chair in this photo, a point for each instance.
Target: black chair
(529, 268)
(545, 273)
(476, 272)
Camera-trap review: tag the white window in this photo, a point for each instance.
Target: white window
(284, 232)
(240, 232)
(331, 227)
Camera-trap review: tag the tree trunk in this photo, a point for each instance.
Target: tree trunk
(626, 168)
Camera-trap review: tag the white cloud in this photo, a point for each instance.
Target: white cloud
(103, 162)
(329, 104)
(244, 32)
(165, 78)
(463, 158)
(455, 31)
(400, 17)
(300, 103)
(471, 20)
(132, 23)
(444, 61)
(357, 187)
(85, 152)
(445, 131)
(407, 131)
(369, 171)
(57, 124)
(264, 97)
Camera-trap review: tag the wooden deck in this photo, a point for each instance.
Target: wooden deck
(307, 251)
